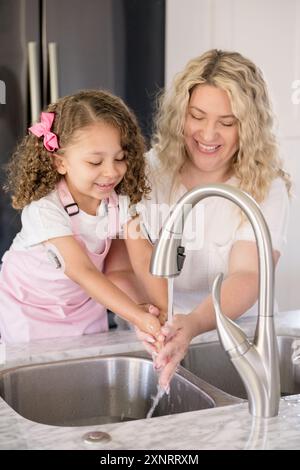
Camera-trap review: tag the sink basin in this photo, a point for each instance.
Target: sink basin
(101, 390)
(210, 362)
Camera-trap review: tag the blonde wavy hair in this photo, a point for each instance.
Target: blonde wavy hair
(256, 164)
(32, 173)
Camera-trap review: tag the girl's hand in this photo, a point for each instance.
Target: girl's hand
(178, 336)
(152, 343)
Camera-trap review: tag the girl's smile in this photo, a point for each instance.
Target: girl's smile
(104, 187)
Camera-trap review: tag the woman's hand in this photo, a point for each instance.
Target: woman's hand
(178, 335)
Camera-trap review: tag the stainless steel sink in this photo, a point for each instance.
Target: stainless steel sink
(101, 390)
(209, 361)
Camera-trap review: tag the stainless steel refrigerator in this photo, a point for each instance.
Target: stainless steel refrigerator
(50, 48)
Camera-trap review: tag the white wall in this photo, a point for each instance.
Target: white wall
(268, 32)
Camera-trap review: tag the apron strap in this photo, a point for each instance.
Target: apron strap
(70, 206)
(113, 215)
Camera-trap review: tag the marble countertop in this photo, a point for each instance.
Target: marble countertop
(230, 427)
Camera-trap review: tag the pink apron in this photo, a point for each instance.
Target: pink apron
(37, 300)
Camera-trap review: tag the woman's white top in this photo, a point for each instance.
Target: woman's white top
(46, 218)
(210, 231)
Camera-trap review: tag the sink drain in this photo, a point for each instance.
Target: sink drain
(95, 437)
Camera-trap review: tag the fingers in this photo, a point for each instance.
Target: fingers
(150, 308)
(170, 350)
(148, 341)
(167, 362)
(142, 336)
(148, 330)
(153, 310)
(153, 327)
(150, 349)
(173, 351)
(167, 373)
(159, 344)
(163, 315)
(168, 331)
(152, 345)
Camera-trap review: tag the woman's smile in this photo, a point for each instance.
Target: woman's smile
(207, 149)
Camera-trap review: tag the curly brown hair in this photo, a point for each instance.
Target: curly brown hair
(32, 173)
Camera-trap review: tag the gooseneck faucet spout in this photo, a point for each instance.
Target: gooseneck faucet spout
(257, 362)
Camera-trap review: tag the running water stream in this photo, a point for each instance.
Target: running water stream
(161, 391)
(155, 400)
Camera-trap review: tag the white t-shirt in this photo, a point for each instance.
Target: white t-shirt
(209, 233)
(46, 218)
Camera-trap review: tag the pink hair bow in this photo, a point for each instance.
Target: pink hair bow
(44, 128)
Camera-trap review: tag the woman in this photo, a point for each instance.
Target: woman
(214, 125)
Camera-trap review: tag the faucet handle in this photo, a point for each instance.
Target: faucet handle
(231, 336)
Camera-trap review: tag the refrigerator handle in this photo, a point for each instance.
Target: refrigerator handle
(53, 71)
(34, 81)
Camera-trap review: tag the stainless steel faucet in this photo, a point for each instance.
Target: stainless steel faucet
(257, 363)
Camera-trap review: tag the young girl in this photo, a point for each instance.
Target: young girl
(72, 176)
